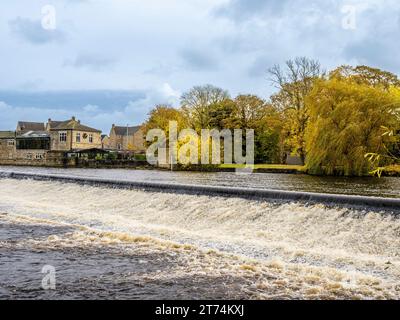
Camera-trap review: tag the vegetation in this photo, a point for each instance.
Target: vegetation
(345, 122)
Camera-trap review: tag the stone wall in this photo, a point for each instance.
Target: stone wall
(38, 158)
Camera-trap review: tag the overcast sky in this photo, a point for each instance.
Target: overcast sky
(110, 61)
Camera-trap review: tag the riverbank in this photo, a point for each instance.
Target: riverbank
(91, 264)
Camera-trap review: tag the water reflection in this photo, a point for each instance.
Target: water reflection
(368, 186)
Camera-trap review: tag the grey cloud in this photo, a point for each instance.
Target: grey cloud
(92, 62)
(33, 32)
(243, 9)
(97, 108)
(199, 60)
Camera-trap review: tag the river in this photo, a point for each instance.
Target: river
(113, 243)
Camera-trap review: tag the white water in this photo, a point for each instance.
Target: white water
(353, 248)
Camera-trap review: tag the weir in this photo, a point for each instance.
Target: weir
(392, 204)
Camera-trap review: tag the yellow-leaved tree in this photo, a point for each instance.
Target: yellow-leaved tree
(347, 121)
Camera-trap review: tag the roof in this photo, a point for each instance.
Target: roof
(72, 124)
(31, 126)
(7, 134)
(122, 131)
(34, 134)
(53, 124)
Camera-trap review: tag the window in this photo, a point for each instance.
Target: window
(11, 143)
(33, 144)
(39, 156)
(78, 137)
(90, 138)
(29, 156)
(63, 136)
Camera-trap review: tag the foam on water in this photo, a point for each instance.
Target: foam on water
(352, 247)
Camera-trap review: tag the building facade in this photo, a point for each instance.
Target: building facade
(71, 135)
(47, 144)
(127, 139)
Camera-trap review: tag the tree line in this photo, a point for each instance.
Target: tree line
(342, 122)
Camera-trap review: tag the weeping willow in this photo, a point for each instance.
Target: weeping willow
(347, 121)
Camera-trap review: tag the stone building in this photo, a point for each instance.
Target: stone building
(7, 145)
(105, 142)
(71, 135)
(127, 138)
(47, 145)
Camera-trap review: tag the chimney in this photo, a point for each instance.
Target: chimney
(113, 125)
(73, 118)
(79, 121)
(49, 120)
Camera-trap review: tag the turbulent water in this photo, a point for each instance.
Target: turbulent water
(291, 250)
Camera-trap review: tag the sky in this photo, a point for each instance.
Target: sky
(111, 61)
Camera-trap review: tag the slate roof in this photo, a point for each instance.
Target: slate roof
(31, 126)
(122, 131)
(54, 124)
(72, 124)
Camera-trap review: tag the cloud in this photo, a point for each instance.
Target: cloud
(199, 60)
(98, 108)
(91, 62)
(33, 32)
(240, 10)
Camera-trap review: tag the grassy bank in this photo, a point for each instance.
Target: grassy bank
(392, 171)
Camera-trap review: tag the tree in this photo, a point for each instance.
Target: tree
(252, 112)
(160, 117)
(196, 104)
(346, 122)
(295, 82)
(366, 75)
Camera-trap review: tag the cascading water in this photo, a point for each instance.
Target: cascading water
(346, 248)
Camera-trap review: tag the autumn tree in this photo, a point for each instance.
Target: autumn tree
(161, 115)
(295, 81)
(367, 75)
(197, 104)
(347, 120)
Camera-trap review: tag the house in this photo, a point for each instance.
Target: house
(25, 126)
(7, 145)
(71, 135)
(127, 138)
(105, 142)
